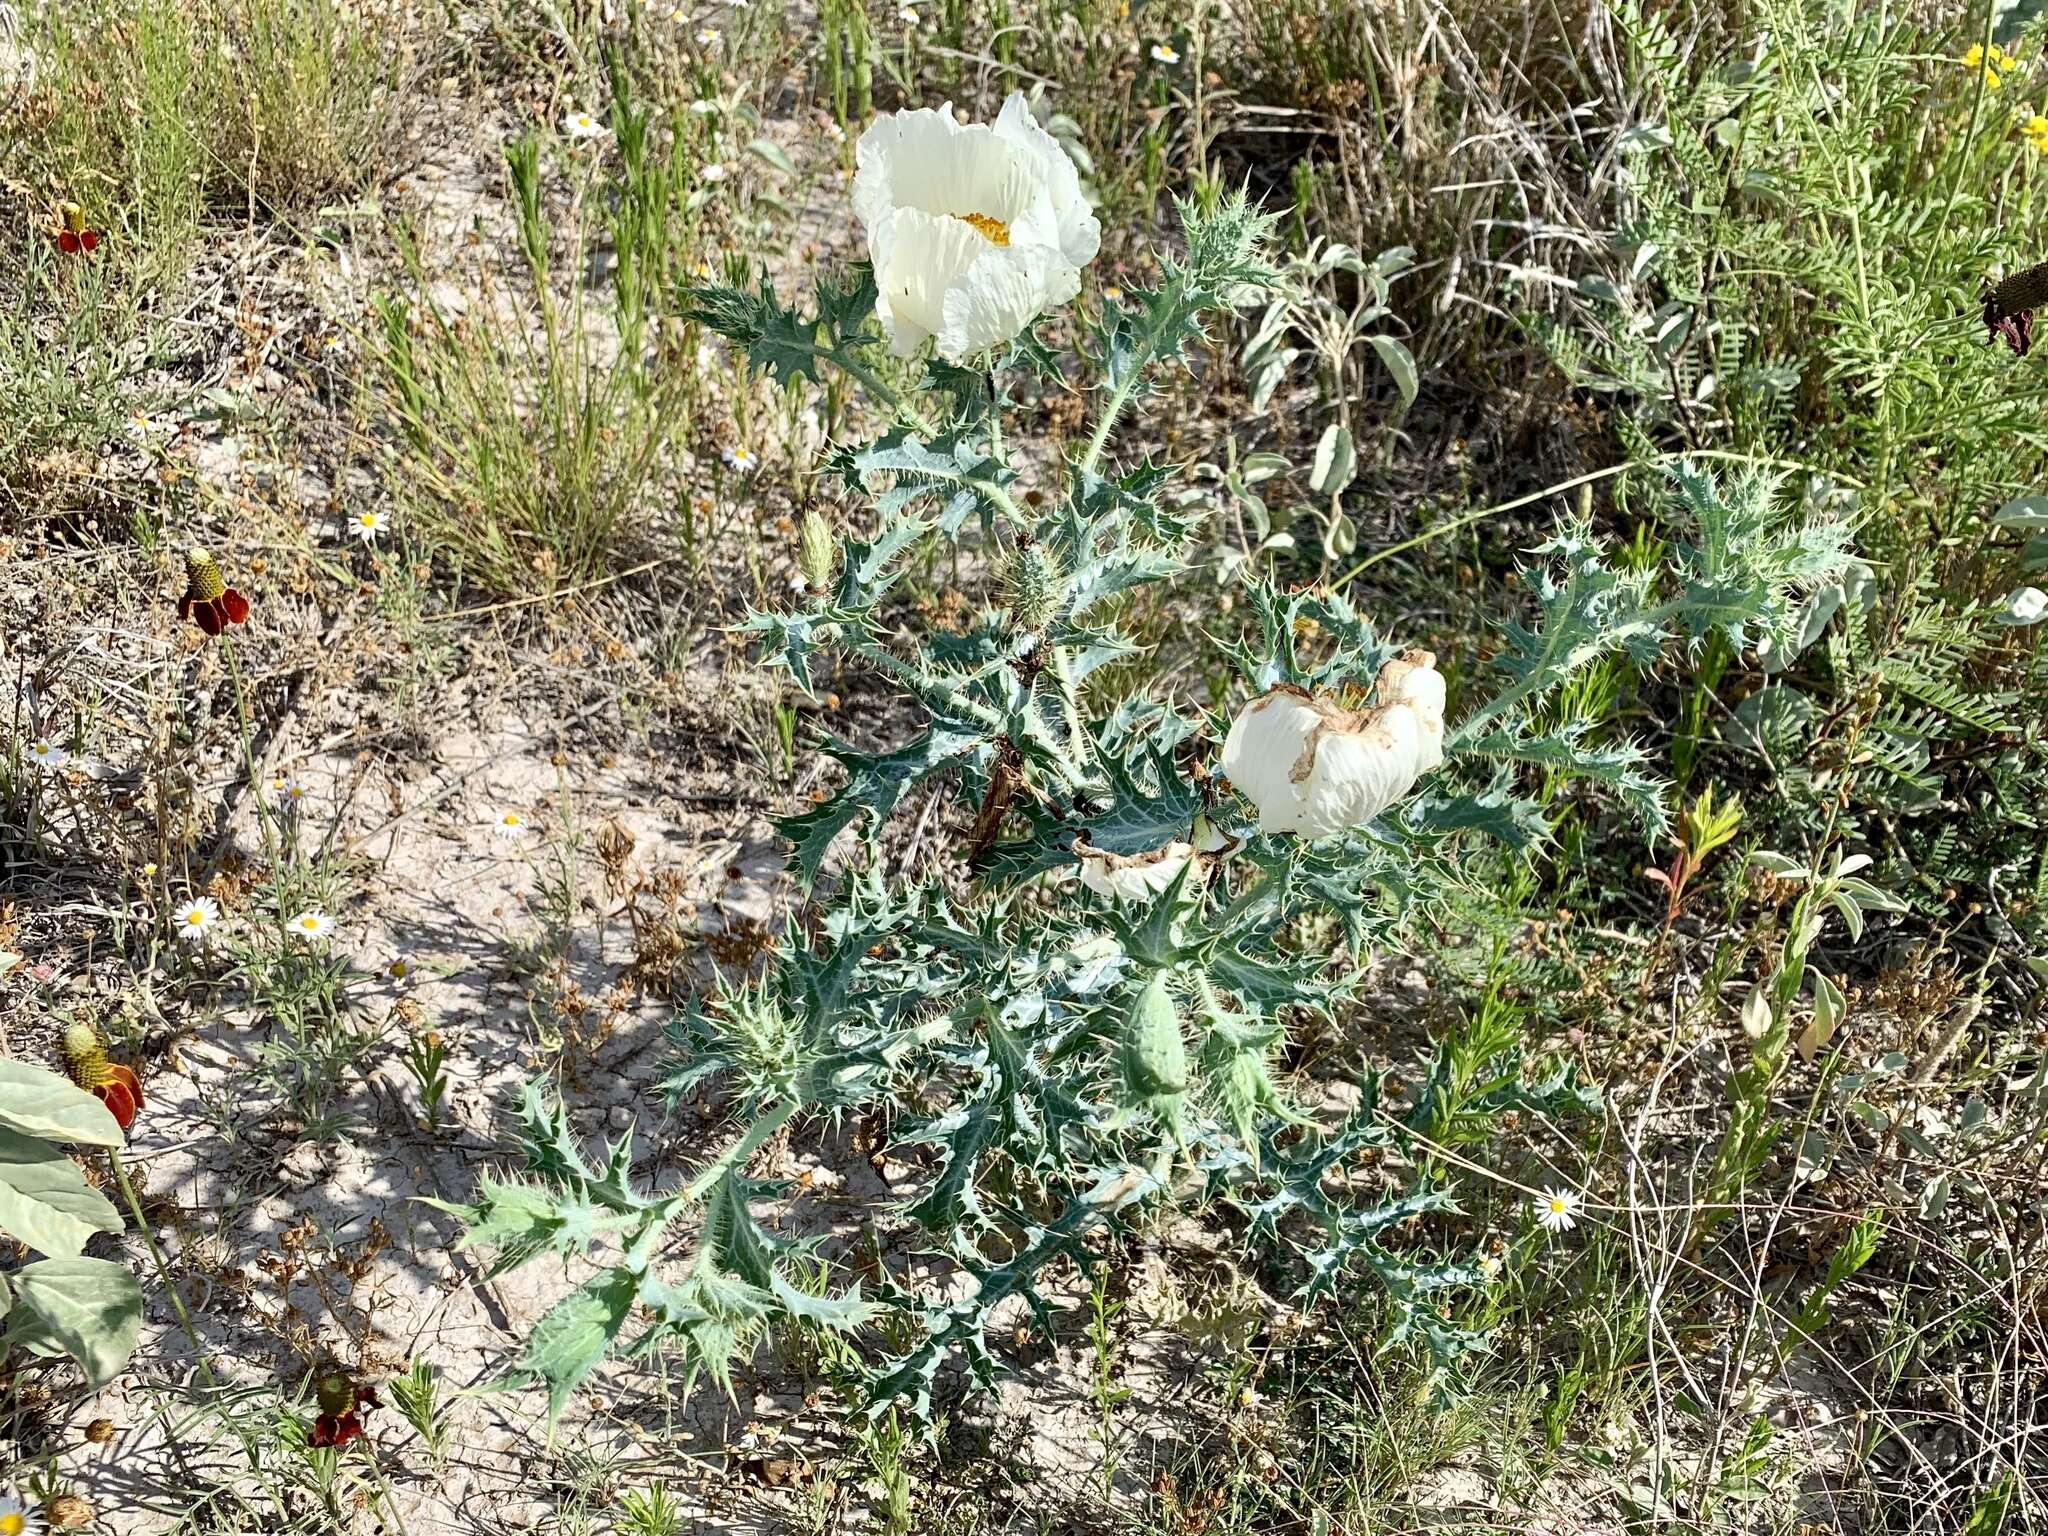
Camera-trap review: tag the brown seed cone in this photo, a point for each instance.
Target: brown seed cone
(67, 1512)
(2019, 293)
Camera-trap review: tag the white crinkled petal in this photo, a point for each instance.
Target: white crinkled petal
(1134, 879)
(1075, 227)
(924, 159)
(928, 260)
(1259, 754)
(1002, 292)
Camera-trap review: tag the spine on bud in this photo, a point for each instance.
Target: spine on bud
(1031, 587)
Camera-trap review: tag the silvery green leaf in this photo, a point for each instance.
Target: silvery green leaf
(1778, 864)
(2028, 512)
(45, 1201)
(1400, 362)
(35, 1101)
(89, 1309)
(1336, 462)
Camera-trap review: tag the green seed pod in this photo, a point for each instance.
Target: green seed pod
(1031, 586)
(817, 552)
(1154, 1057)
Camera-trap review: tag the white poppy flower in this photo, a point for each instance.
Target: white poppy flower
(1313, 768)
(1132, 877)
(974, 230)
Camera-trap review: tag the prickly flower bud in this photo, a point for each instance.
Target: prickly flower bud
(1314, 768)
(1031, 586)
(817, 552)
(1153, 1055)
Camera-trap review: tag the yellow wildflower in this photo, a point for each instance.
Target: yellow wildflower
(2035, 131)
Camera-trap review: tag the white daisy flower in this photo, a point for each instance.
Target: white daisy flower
(311, 924)
(18, 1517)
(1250, 1397)
(510, 826)
(368, 524)
(713, 171)
(1132, 877)
(1557, 1210)
(196, 919)
(974, 230)
(141, 428)
(743, 461)
(581, 125)
(1165, 53)
(907, 15)
(1313, 768)
(47, 755)
(707, 37)
(288, 791)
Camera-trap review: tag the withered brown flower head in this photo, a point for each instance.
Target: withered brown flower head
(2009, 307)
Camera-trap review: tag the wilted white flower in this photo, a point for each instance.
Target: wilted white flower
(581, 125)
(2029, 605)
(311, 924)
(973, 230)
(398, 970)
(1132, 877)
(47, 755)
(1557, 1210)
(1314, 768)
(741, 460)
(368, 524)
(510, 827)
(1165, 53)
(196, 918)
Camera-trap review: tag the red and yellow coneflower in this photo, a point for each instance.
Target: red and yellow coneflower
(112, 1084)
(209, 601)
(71, 236)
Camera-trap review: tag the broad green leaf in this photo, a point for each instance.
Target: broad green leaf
(35, 1101)
(1336, 462)
(1400, 363)
(45, 1201)
(89, 1309)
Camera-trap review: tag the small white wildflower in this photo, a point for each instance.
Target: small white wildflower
(288, 791)
(1489, 1266)
(714, 171)
(18, 1517)
(510, 827)
(743, 461)
(47, 755)
(311, 924)
(196, 918)
(1250, 1398)
(368, 524)
(1558, 1210)
(907, 15)
(1165, 53)
(581, 125)
(707, 37)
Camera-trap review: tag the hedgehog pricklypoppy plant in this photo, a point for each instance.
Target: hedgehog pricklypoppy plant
(209, 601)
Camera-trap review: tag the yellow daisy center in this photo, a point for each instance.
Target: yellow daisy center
(193, 919)
(13, 1523)
(994, 231)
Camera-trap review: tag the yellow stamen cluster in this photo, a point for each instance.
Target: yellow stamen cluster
(994, 231)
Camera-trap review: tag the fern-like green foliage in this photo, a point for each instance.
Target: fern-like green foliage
(1055, 1066)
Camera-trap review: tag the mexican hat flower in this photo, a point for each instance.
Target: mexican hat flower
(209, 601)
(342, 1403)
(71, 236)
(112, 1084)
(1312, 767)
(974, 230)
(2009, 307)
